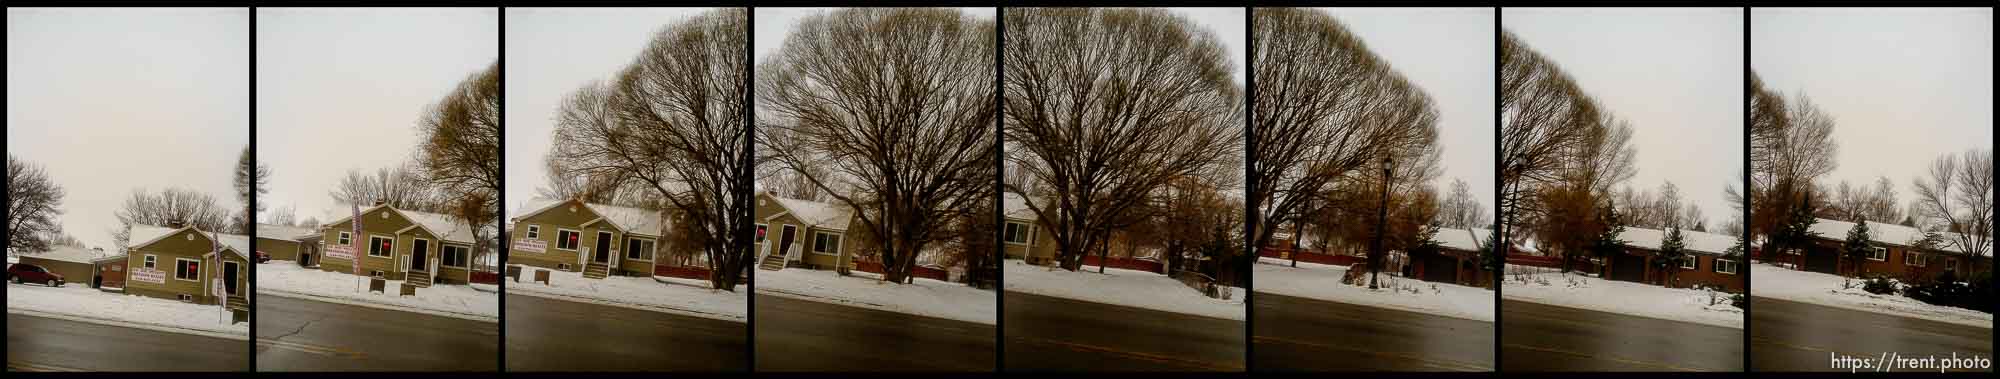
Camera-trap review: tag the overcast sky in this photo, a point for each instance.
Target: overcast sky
(1676, 74)
(550, 53)
(113, 100)
(1903, 85)
(343, 88)
(1449, 53)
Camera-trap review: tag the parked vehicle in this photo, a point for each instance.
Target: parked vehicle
(263, 257)
(23, 272)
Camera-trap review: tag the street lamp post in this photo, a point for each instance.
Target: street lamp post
(1381, 227)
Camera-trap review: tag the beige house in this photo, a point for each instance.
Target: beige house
(1024, 237)
(72, 262)
(395, 244)
(803, 233)
(174, 262)
(285, 243)
(597, 239)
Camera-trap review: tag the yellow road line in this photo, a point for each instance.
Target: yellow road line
(1603, 357)
(1447, 364)
(1135, 355)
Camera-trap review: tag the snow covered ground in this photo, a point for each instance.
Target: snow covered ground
(1131, 288)
(1550, 286)
(925, 297)
(1322, 281)
(84, 304)
(1825, 289)
(656, 294)
(449, 300)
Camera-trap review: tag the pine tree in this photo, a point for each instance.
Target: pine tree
(1489, 254)
(1857, 247)
(1607, 243)
(1672, 251)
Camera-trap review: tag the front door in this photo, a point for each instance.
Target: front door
(229, 278)
(602, 254)
(420, 253)
(785, 240)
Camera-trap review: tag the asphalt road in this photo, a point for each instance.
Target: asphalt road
(1794, 336)
(544, 335)
(799, 335)
(1300, 334)
(305, 335)
(1537, 337)
(1045, 333)
(47, 344)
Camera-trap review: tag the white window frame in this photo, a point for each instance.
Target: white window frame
(442, 253)
(650, 253)
(560, 239)
(1912, 255)
(1719, 264)
(837, 237)
(150, 262)
(1690, 262)
(345, 239)
(196, 272)
(1021, 231)
(372, 244)
(375, 273)
(1878, 250)
(534, 231)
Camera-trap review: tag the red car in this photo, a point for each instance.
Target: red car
(23, 272)
(263, 257)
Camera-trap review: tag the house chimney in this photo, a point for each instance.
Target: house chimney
(379, 202)
(176, 223)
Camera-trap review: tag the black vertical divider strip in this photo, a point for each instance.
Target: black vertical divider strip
(1500, 221)
(251, 296)
(1745, 241)
(748, 172)
(1000, 186)
(500, 199)
(1250, 176)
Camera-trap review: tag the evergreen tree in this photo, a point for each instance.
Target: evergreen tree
(1607, 243)
(1857, 247)
(1489, 254)
(1672, 251)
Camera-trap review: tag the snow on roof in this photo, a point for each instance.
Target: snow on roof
(448, 228)
(1017, 207)
(1879, 232)
(1697, 242)
(817, 214)
(1462, 239)
(282, 232)
(66, 253)
(235, 242)
(147, 234)
(632, 220)
(1951, 244)
(144, 234)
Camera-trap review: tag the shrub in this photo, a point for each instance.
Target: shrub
(1738, 300)
(1879, 285)
(1975, 294)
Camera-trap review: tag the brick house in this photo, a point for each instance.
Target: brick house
(1706, 263)
(1894, 254)
(1458, 260)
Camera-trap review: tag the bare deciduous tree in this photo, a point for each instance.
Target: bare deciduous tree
(1106, 106)
(459, 152)
(251, 179)
(33, 202)
(1461, 209)
(403, 187)
(673, 123)
(897, 106)
(1546, 119)
(1957, 197)
(1326, 107)
(284, 216)
(170, 205)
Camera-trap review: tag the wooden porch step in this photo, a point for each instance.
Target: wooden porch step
(596, 271)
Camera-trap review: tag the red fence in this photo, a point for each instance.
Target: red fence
(919, 271)
(1125, 263)
(485, 277)
(1537, 261)
(683, 272)
(1310, 257)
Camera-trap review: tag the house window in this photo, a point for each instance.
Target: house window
(454, 256)
(1793, 251)
(374, 273)
(826, 243)
(639, 249)
(1878, 254)
(1725, 266)
(1913, 259)
(566, 239)
(152, 262)
(534, 232)
(760, 231)
(1017, 233)
(1688, 263)
(379, 246)
(346, 239)
(187, 269)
